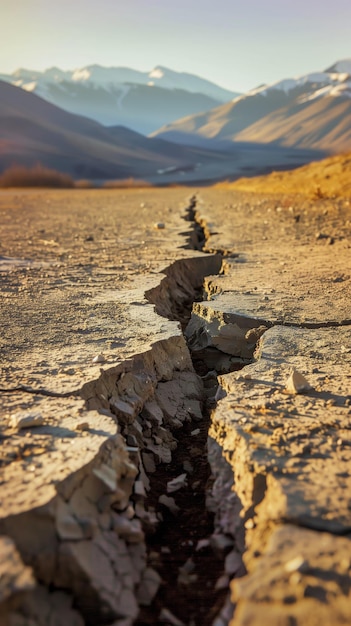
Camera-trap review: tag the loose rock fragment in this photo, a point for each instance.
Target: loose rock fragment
(169, 503)
(195, 410)
(166, 617)
(233, 563)
(26, 420)
(107, 476)
(130, 530)
(254, 334)
(297, 383)
(177, 483)
(159, 225)
(139, 488)
(187, 466)
(220, 544)
(222, 582)
(201, 544)
(148, 462)
(82, 426)
(186, 575)
(298, 564)
(99, 358)
(148, 587)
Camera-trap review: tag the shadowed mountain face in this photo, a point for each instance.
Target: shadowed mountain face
(122, 96)
(312, 111)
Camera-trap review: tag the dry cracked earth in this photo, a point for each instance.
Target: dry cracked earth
(175, 408)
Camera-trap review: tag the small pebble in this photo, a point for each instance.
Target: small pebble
(166, 617)
(99, 358)
(82, 426)
(201, 544)
(249, 524)
(169, 503)
(222, 583)
(177, 483)
(187, 466)
(298, 564)
(297, 383)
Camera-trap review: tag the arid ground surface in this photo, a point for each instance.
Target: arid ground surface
(110, 513)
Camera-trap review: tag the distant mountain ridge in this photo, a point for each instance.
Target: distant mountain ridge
(311, 111)
(142, 101)
(33, 130)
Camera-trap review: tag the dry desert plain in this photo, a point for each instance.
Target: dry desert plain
(175, 407)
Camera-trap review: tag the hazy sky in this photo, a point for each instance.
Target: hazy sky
(236, 43)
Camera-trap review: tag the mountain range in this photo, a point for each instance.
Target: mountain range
(142, 101)
(33, 130)
(281, 125)
(311, 111)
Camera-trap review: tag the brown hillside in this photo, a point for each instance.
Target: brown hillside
(322, 124)
(325, 179)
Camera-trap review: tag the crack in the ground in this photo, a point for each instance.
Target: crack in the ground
(40, 392)
(182, 551)
(169, 486)
(179, 528)
(208, 362)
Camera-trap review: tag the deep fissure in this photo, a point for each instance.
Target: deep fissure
(181, 550)
(162, 408)
(163, 411)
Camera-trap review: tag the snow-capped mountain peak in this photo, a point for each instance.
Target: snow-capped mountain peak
(143, 101)
(157, 72)
(309, 111)
(341, 67)
(113, 78)
(81, 75)
(333, 82)
(314, 79)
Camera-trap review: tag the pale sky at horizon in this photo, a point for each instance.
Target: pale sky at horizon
(237, 44)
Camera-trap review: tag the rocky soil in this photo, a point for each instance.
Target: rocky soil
(119, 310)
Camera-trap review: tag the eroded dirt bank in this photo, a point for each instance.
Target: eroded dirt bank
(110, 513)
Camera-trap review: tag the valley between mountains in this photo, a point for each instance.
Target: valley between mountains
(101, 124)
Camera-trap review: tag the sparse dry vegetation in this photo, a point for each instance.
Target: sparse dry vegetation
(132, 183)
(84, 183)
(40, 176)
(329, 178)
(36, 176)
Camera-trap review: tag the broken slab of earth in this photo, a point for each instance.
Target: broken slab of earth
(281, 427)
(109, 511)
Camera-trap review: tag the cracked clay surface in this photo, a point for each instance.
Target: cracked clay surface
(116, 387)
(284, 294)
